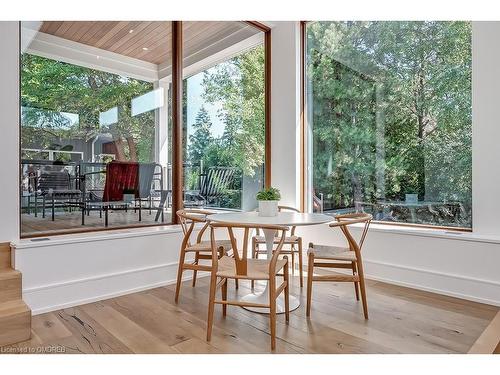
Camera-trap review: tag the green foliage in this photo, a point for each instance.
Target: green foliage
(269, 194)
(238, 86)
(390, 106)
(201, 139)
(49, 87)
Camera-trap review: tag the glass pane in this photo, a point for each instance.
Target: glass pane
(95, 133)
(389, 104)
(224, 114)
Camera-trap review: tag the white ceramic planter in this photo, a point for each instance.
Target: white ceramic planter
(268, 208)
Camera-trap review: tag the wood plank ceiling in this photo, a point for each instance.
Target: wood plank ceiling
(146, 40)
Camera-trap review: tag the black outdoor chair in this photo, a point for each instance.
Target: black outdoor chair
(57, 187)
(214, 186)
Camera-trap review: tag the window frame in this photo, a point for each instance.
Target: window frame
(304, 142)
(177, 132)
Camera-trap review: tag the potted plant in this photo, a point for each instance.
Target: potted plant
(268, 201)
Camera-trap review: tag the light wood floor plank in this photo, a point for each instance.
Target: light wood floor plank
(402, 320)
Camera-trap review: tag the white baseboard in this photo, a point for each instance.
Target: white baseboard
(469, 288)
(51, 297)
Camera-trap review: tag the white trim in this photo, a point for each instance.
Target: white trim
(97, 277)
(83, 301)
(60, 49)
(46, 298)
(430, 232)
(387, 273)
(434, 273)
(29, 243)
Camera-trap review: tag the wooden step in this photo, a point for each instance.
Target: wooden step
(4, 255)
(10, 285)
(15, 322)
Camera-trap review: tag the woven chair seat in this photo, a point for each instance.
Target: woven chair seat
(257, 269)
(332, 253)
(288, 240)
(206, 246)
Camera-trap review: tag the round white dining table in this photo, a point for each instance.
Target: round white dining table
(283, 218)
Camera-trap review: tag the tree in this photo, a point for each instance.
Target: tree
(201, 138)
(49, 87)
(391, 110)
(239, 85)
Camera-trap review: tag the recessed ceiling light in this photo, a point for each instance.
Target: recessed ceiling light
(145, 48)
(131, 31)
(98, 57)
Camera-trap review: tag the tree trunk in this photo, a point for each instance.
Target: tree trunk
(420, 109)
(120, 150)
(132, 149)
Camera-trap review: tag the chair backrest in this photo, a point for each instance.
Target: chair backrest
(121, 177)
(241, 260)
(289, 209)
(54, 180)
(146, 176)
(188, 219)
(343, 221)
(217, 181)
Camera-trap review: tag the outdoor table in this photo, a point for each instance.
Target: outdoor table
(283, 218)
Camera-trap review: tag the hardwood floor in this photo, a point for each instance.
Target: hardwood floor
(402, 320)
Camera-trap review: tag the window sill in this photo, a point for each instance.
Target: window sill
(115, 234)
(100, 235)
(431, 232)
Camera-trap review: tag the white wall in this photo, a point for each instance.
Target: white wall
(486, 128)
(9, 127)
(63, 273)
(85, 268)
(446, 263)
(285, 114)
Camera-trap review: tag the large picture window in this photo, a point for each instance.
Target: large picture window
(96, 122)
(224, 120)
(390, 124)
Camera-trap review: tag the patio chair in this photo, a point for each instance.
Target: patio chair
(214, 186)
(57, 188)
(147, 175)
(121, 177)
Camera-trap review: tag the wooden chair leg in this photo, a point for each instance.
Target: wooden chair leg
(182, 257)
(301, 266)
(362, 287)
(272, 313)
(292, 248)
(356, 290)
(255, 255)
(195, 272)
(310, 271)
(287, 292)
(211, 305)
(224, 297)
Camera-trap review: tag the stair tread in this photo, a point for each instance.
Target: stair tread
(13, 307)
(9, 273)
